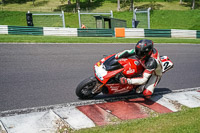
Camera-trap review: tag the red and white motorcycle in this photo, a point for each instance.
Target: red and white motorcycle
(107, 73)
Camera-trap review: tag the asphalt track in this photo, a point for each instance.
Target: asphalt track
(34, 75)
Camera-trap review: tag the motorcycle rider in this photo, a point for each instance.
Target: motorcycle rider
(149, 58)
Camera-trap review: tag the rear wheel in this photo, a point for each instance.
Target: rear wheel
(84, 89)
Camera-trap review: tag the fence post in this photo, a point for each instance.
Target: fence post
(148, 14)
(111, 12)
(134, 14)
(63, 18)
(79, 18)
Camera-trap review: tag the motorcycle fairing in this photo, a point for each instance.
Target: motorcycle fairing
(102, 75)
(100, 72)
(132, 67)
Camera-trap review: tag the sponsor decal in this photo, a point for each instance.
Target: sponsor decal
(98, 64)
(130, 71)
(137, 63)
(117, 89)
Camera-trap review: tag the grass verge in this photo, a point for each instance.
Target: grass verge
(185, 121)
(62, 39)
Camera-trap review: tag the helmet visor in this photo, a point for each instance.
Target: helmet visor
(140, 54)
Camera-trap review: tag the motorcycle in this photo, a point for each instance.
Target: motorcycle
(107, 73)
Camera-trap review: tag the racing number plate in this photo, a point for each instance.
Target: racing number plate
(166, 64)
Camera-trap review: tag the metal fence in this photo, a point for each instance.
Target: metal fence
(88, 18)
(143, 16)
(61, 15)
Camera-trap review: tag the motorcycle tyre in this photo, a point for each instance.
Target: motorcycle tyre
(83, 84)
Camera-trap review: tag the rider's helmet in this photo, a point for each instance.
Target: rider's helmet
(144, 48)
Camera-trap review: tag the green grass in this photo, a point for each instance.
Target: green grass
(185, 121)
(174, 5)
(71, 20)
(169, 19)
(60, 39)
(15, 18)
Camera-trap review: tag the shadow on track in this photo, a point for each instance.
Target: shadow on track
(159, 92)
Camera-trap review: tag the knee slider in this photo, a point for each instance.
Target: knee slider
(147, 92)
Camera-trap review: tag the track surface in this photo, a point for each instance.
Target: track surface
(44, 74)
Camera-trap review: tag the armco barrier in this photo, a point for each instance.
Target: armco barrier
(183, 33)
(25, 30)
(56, 31)
(198, 34)
(95, 32)
(157, 33)
(134, 32)
(122, 32)
(3, 29)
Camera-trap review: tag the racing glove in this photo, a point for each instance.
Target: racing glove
(123, 80)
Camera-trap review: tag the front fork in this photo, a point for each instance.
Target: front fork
(98, 86)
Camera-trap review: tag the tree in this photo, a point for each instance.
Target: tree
(14, 1)
(181, 1)
(3, 1)
(131, 6)
(89, 1)
(118, 5)
(78, 4)
(69, 2)
(193, 4)
(33, 2)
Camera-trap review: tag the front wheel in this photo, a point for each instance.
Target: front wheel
(84, 89)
